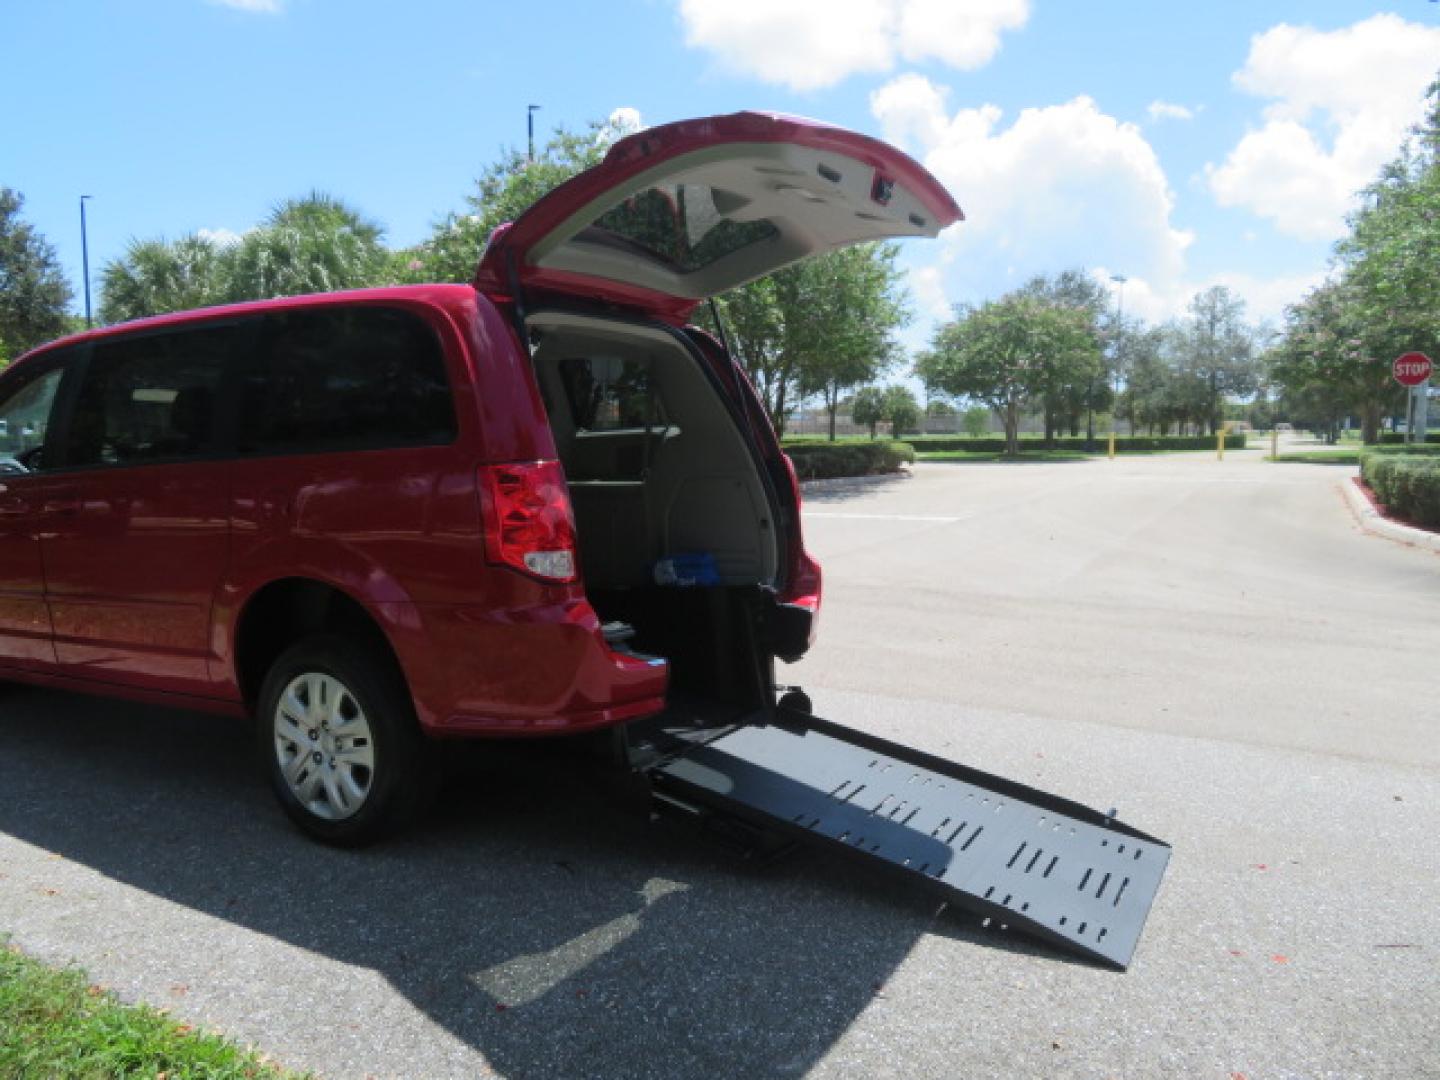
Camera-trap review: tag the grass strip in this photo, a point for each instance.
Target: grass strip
(54, 1023)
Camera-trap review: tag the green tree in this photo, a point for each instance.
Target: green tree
(316, 243)
(868, 408)
(505, 190)
(900, 408)
(307, 245)
(976, 421)
(1326, 357)
(154, 277)
(1382, 300)
(1077, 390)
(822, 325)
(840, 312)
(1391, 253)
(34, 294)
(1008, 354)
(1147, 400)
(755, 326)
(1215, 355)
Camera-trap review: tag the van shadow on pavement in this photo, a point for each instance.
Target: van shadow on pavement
(544, 924)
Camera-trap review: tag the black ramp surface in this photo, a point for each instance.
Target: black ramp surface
(1032, 861)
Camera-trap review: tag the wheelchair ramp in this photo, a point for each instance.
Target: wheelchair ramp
(1027, 860)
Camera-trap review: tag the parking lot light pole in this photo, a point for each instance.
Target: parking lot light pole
(530, 111)
(1118, 279)
(85, 259)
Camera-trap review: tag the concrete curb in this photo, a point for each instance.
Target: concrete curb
(1372, 521)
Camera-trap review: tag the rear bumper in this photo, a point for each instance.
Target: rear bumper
(519, 672)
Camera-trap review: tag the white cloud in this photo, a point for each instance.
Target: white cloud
(1168, 110)
(220, 237)
(792, 43)
(1060, 187)
(625, 120)
(1156, 300)
(263, 7)
(1341, 102)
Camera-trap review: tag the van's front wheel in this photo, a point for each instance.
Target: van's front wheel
(339, 741)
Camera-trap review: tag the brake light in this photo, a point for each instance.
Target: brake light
(529, 524)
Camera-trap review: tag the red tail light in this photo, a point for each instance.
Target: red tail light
(529, 524)
(803, 587)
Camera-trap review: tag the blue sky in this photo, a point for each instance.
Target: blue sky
(1179, 145)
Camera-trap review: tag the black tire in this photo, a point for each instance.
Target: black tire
(350, 781)
(796, 701)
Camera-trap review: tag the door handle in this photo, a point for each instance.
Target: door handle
(12, 505)
(63, 502)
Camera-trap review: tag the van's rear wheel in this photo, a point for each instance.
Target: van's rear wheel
(339, 741)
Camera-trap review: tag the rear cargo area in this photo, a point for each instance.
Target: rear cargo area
(675, 522)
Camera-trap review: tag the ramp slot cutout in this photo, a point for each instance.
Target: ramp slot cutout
(1084, 881)
(973, 836)
(1034, 859)
(1010, 865)
(1053, 860)
(958, 830)
(1120, 892)
(1104, 884)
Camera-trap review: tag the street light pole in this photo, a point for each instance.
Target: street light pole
(1118, 279)
(85, 259)
(530, 111)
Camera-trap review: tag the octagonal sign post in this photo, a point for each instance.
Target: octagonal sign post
(1413, 369)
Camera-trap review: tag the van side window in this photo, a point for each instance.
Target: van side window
(24, 420)
(149, 399)
(351, 378)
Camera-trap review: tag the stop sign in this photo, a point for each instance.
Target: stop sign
(1411, 368)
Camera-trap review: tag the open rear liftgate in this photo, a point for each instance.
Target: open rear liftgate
(1028, 860)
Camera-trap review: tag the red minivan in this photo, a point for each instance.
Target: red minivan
(538, 504)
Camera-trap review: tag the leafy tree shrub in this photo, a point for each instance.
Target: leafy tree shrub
(1407, 484)
(901, 410)
(817, 461)
(868, 408)
(34, 294)
(976, 421)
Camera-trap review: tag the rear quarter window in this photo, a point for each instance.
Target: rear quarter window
(352, 378)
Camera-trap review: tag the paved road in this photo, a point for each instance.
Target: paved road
(1214, 648)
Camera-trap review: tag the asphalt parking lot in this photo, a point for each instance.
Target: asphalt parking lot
(1215, 649)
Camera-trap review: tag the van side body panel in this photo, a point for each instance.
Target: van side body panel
(485, 650)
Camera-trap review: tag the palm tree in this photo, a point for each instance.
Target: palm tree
(154, 276)
(312, 244)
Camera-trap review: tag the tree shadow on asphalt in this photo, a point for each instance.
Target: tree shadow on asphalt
(844, 488)
(552, 929)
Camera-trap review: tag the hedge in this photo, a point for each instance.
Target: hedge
(819, 461)
(1123, 443)
(1391, 438)
(1407, 484)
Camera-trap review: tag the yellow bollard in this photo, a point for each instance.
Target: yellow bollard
(1112, 446)
(1220, 445)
